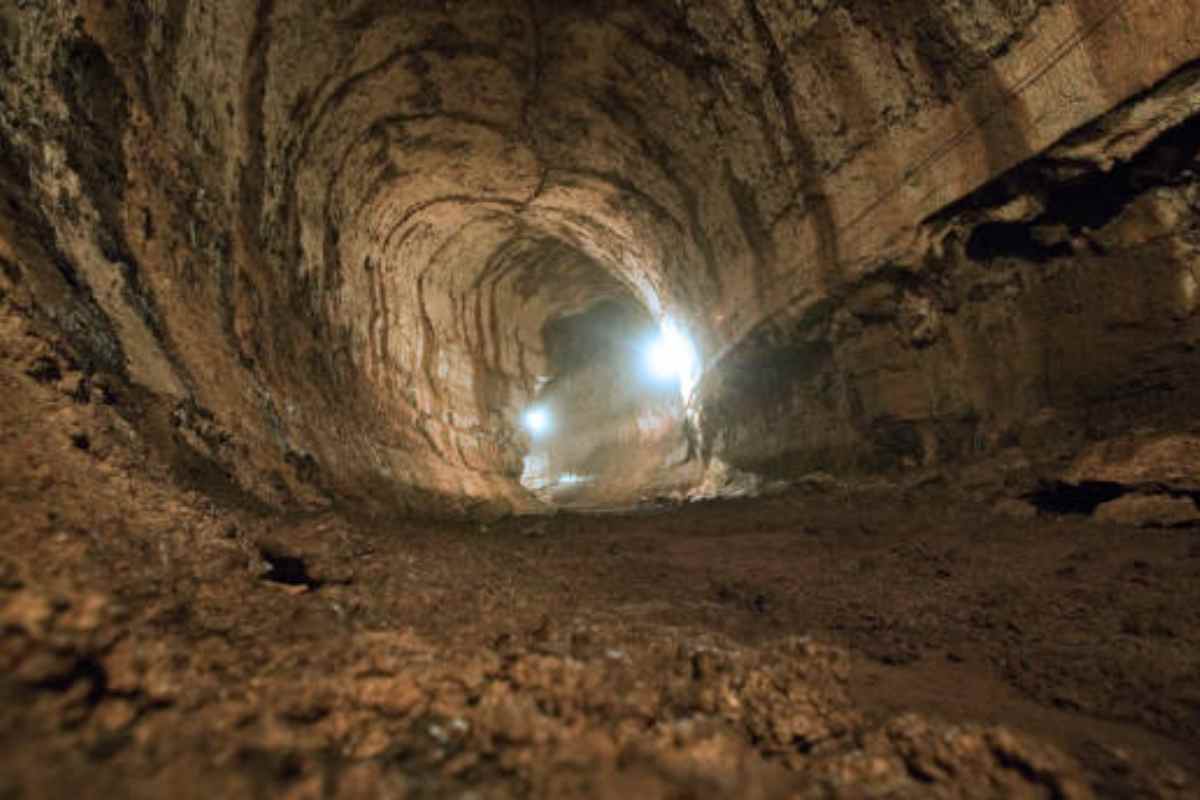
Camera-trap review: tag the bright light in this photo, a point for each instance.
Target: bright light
(537, 420)
(672, 355)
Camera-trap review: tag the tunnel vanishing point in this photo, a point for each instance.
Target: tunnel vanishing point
(332, 463)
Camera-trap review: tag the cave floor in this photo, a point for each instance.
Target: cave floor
(832, 641)
(259, 656)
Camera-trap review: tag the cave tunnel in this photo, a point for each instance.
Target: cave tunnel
(608, 428)
(599, 398)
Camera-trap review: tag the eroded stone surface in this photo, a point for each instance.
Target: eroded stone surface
(1169, 461)
(154, 642)
(272, 272)
(1056, 308)
(1152, 510)
(334, 235)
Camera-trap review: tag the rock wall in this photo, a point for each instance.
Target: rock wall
(1055, 307)
(316, 245)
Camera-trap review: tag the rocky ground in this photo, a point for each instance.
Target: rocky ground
(277, 278)
(895, 640)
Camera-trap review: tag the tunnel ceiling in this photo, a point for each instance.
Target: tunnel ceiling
(324, 240)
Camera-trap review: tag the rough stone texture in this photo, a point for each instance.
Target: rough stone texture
(155, 643)
(278, 277)
(1056, 307)
(1154, 510)
(333, 235)
(1170, 461)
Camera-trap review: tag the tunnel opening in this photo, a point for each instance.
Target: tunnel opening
(608, 418)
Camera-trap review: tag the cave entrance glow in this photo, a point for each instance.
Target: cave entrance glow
(671, 357)
(537, 420)
(607, 426)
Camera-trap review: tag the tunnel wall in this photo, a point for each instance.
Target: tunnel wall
(1057, 308)
(316, 244)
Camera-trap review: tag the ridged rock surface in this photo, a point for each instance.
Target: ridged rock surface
(321, 242)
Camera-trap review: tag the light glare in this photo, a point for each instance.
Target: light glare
(671, 355)
(537, 421)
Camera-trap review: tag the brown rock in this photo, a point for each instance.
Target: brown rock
(279, 279)
(1169, 460)
(1149, 511)
(392, 696)
(1017, 509)
(115, 715)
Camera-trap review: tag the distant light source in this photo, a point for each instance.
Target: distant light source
(536, 420)
(671, 355)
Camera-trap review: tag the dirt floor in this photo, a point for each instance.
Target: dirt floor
(829, 641)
